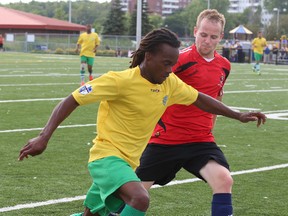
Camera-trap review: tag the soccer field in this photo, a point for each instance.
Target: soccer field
(55, 183)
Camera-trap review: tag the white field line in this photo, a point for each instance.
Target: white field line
(37, 84)
(176, 182)
(255, 91)
(31, 100)
(42, 74)
(269, 114)
(39, 129)
(53, 99)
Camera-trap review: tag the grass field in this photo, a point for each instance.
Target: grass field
(55, 182)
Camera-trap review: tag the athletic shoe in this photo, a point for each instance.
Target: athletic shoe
(91, 77)
(82, 83)
(77, 214)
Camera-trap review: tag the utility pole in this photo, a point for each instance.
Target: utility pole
(139, 23)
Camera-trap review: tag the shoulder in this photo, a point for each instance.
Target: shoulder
(224, 62)
(187, 53)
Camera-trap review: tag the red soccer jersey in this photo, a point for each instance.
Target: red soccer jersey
(185, 124)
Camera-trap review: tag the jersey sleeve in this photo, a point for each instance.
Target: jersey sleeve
(104, 87)
(182, 93)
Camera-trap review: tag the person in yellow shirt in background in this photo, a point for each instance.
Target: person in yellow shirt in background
(258, 45)
(88, 42)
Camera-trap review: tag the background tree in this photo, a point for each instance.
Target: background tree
(271, 29)
(177, 23)
(146, 25)
(271, 4)
(156, 20)
(60, 14)
(115, 21)
(185, 20)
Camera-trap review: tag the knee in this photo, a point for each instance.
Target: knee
(224, 183)
(82, 66)
(140, 200)
(228, 180)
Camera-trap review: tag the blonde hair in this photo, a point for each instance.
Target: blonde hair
(212, 15)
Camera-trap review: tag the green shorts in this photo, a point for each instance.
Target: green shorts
(88, 60)
(108, 175)
(258, 56)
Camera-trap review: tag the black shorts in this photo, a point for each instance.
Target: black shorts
(160, 163)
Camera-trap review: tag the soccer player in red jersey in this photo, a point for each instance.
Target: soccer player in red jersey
(183, 137)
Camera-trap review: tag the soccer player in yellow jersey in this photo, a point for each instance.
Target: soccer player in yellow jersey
(131, 103)
(258, 45)
(88, 42)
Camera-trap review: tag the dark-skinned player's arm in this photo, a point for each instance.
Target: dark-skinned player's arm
(37, 145)
(211, 105)
(219, 98)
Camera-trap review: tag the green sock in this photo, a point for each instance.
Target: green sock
(130, 211)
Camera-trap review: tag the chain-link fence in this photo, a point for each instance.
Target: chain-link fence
(111, 45)
(66, 43)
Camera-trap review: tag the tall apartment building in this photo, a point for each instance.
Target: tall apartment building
(238, 6)
(161, 7)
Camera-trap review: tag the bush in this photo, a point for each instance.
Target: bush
(71, 51)
(41, 51)
(110, 53)
(59, 51)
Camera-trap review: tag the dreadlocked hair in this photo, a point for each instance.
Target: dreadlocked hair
(151, 42)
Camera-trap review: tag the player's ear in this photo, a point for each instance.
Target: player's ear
(221, 36)
(148, 56)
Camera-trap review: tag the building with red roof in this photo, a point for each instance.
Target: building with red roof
(15, 21)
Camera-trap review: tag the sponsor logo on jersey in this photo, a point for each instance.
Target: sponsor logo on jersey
(86, 89)
(155, 90)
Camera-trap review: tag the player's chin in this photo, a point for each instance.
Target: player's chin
(162, 79)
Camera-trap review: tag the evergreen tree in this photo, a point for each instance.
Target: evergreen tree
(115, 22)
(146, 25)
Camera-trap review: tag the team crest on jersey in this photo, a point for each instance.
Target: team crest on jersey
(165, 99)
(86, 89)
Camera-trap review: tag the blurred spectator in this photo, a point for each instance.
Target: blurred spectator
(239, 53)
(283, 41)
(1, 43)
(118, 52)
(226, 49)
(266, 58)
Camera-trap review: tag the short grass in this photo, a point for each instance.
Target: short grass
(61, 172)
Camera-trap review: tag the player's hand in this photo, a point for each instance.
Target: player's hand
(253, 116)
(34, 147)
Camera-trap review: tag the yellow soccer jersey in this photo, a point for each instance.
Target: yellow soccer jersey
(129, 110)
(259, 44)
(88, 43)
